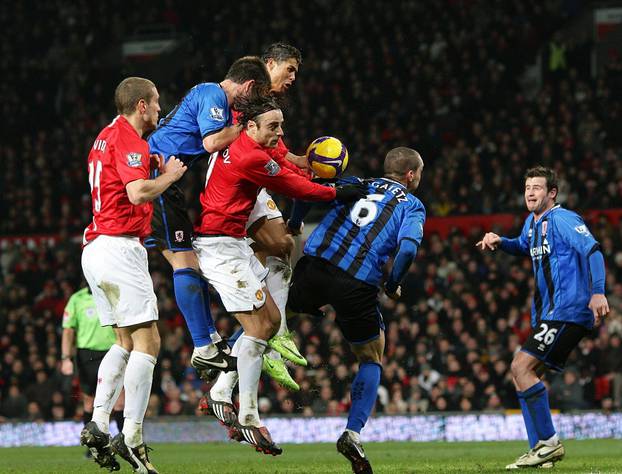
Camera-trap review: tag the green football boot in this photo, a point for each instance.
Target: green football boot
(285, 346)
(277, 369)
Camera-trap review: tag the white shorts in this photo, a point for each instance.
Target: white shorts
(230, 266)
(117, 271)
(264, 207)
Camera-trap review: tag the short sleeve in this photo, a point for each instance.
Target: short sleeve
(131, 157)
(411, 227)
(212, 111)
(573, 231)
(69, 315)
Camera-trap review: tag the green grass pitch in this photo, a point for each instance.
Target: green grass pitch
(593, 456)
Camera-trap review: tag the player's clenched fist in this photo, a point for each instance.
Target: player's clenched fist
(490, 241)
(175, 168)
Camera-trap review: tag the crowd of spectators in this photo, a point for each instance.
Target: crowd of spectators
(449, 341)
(443, 77)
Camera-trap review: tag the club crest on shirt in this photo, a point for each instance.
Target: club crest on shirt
(271, 204)
(91, 313)
(179, 236)
(544, 228)
(272, 167)
(134, 159)
(217, 113)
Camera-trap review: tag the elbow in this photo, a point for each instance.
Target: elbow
(136, 196)
(210, 145)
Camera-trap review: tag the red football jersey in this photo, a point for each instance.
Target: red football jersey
(233, 180)
(278, 154)
(118, 156)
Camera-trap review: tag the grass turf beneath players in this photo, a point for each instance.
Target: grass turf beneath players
(602, 456)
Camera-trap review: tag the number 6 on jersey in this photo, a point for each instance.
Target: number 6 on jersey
(365, 210)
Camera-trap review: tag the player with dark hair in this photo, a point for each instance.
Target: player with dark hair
(342, 266)
(201, 124)
(115, 266)
(569, 300)
(272, 242)
(233, 180)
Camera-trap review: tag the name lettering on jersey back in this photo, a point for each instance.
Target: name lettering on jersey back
(99, 145)
(397, 191)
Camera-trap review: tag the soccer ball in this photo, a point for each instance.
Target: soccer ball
(327, 157)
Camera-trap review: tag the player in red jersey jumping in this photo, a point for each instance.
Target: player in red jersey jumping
(116, 268)
(234, 178)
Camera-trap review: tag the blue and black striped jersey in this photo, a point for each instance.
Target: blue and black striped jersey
(560, 245)
(360, 238)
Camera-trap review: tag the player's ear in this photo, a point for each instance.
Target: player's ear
(248, 86)
(141, 106)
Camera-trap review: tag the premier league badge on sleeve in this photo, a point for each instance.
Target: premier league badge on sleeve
(134, 160)
(217, 114)
(272, 167)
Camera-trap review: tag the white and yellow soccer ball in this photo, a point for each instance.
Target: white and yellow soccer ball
(327, 157)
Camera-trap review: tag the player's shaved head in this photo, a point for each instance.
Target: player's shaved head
(131, 90)
(250, 68)
(281, 52)
(400, 160)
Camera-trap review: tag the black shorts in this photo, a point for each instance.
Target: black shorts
(317, 282)
(552, 342)
(87, 363)
(171, 228)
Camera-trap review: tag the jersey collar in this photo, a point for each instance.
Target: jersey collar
(395, 182)
(556, 206)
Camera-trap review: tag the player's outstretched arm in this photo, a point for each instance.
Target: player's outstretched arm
(299, 161)
(491, 241)
(401, 263)
(141, 191)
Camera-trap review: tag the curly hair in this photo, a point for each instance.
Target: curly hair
(254, 105)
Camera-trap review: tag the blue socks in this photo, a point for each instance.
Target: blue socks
(536, 400)
(191, 294)
(234, 337)
(532, 436)
(363, 393)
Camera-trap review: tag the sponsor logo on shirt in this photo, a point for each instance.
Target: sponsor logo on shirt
(217, 114)
(134, 159)
(272, 167)
(541, 250)
(581, 229)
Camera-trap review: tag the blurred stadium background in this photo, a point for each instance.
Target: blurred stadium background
(482, 88)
